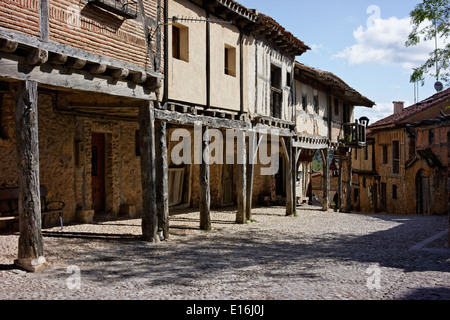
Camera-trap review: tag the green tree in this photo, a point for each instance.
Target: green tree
(431, 21)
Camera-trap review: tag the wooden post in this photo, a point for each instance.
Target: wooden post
(205, 192)
(326, 180)
(148, 175)
(294, 164)
(289, 184)
(348, 203)
(241, 187)
(162, 179)
(31, 247)
(340, 193)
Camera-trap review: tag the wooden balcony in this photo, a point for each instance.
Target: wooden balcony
(353, 135)
(124, 8)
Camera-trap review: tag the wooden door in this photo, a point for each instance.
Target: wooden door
(98, 172)
(227, 184)
(423, 195)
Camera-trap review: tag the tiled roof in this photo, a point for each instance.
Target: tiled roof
(413, 110)
(331, 80)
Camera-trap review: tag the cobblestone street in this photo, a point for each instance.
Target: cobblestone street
(316, 255)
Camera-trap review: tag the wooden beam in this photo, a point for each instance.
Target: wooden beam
(8, 46)
(57, 58)
(205, 192)
(162, 179)
(148, 174)
(31, 247)
(15, 67)
(97, 68)
(37, 56)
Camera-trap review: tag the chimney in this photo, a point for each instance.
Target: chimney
(398, 106)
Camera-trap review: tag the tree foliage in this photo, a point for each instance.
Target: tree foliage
(431, 21)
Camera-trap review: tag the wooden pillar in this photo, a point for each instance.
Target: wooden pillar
(31, 246)
(348, 202)
(295, 154)
(340, 193)
(241, 187)
(162, 179)
(289, 182)
(248, 204)
(326, 180)
(148, 174)
(205, 193)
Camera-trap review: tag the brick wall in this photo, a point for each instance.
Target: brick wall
(20, 15)
(78, 24)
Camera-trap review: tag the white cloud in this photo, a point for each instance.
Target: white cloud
(383, 43)
(316, 49)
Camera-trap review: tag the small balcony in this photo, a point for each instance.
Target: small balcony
(353, 135)
(124, 8)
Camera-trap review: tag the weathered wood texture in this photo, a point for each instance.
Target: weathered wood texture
(287, 147)
(30, 240)
(162, 178)
(241, 186)
(348, 203)
(326, 180)
(205, 191)
(149, 210)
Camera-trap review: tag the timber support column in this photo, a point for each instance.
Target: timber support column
(205, 189)
(162, 179)
(348, 202)
(241, 186)
(289, 183)
(340, 192)
(326, 180)
(148, 174)
(31, 246)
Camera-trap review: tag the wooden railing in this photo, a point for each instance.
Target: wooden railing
(353, 135)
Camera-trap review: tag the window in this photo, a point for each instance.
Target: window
(288, 79)
(180, 42)
(230, 60)
(336, 107)
(385, 154)
(316, 103)
(366, 152)
(394, 192)
(395, 157)
(304, 102)
(276, 98)
(431, 137)
(275, 77)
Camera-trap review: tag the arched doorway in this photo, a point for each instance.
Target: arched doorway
(423, 197)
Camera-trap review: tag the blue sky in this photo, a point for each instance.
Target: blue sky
(360, 41)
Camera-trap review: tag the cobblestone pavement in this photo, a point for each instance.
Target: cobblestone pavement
(316, 255)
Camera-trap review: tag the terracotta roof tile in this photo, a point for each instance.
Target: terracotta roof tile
(413, 110)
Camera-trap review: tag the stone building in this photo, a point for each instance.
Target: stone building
(405, 171)
(97, 101)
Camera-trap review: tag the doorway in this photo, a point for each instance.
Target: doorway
(98, 172)
(423, 193)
